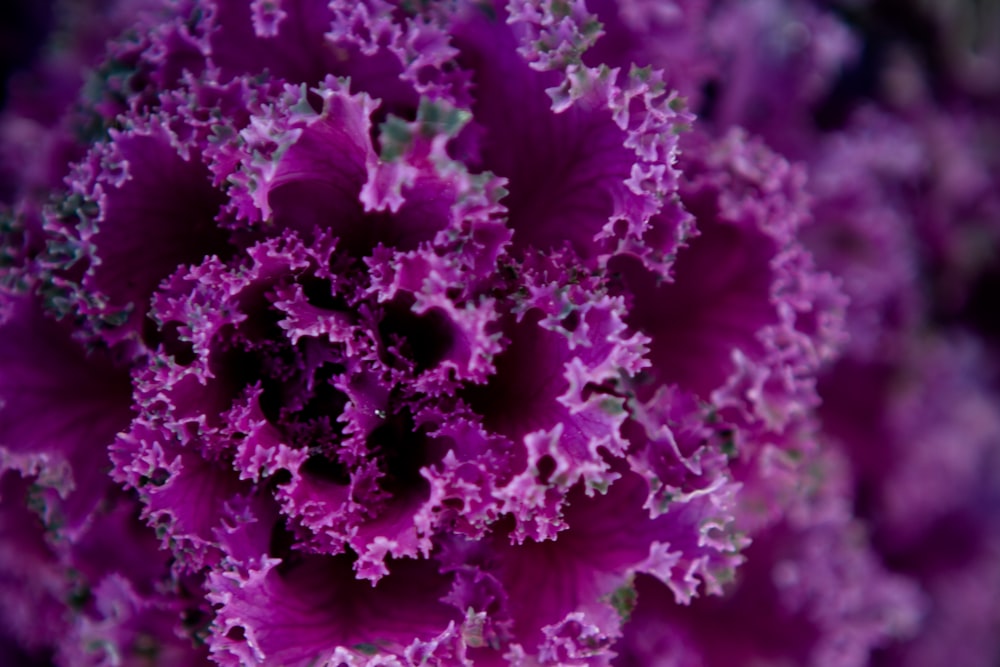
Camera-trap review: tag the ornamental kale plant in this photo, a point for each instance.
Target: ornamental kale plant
(466, 333)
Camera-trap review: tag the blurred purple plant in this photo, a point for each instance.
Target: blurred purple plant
(469, 333)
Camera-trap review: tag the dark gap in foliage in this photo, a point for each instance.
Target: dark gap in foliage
(402, 451)
(168, 338)
(319, 293)
(321, 467)
(426, 338)
(281, 546)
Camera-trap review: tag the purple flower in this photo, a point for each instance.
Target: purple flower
(373, 333)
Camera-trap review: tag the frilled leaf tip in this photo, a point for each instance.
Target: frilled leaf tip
(812, 592)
